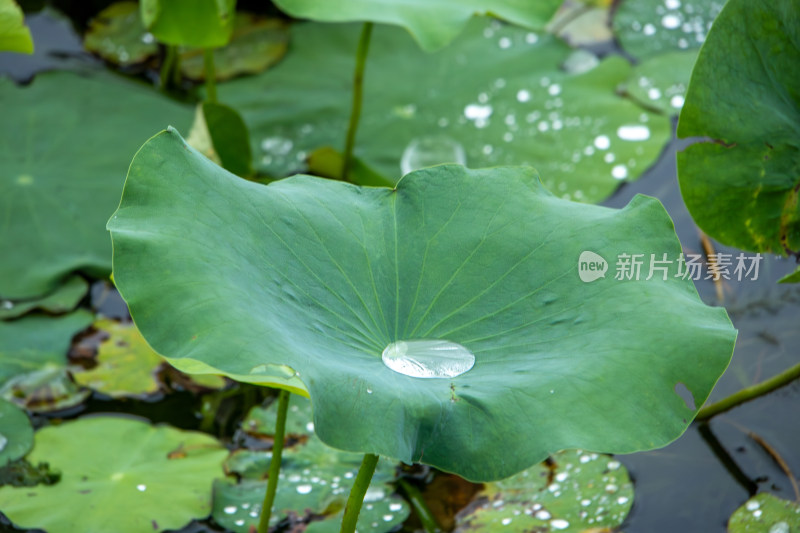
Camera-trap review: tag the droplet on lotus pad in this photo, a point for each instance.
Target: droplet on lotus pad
(428, 358)
(431, 150)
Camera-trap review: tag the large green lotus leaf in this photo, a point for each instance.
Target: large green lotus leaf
(201, 23)
(433, 23)
(660, 82)
(315, 480)
(578, 491)
(117, 34)
(37, 342)
(117, 474)
(741, 186)
(764, 513)
(126, 365)
(496, 96)
(322, 275)
(16, 432)
(64, 298)
(65, 144)
(14, 34)
(649, 27)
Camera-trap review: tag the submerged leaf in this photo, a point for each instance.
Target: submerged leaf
(116, 34)
(16, 432)
(322, 276)
(64, 298)
(765, 513)
(148, 488)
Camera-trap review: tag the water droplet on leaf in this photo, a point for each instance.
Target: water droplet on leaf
(428, 358)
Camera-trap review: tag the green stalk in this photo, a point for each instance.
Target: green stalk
(749, 393)
(429, 523)
(356, 498)
(167, 66)
(275, 463)
(211, 75)
(358, 91)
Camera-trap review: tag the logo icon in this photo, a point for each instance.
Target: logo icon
(591, 266)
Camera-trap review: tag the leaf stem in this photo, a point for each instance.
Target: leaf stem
(749, 393)
(426, 517)
(275, 463)
(167, 66)
(211, 75)
(356, 498)
(358, 91)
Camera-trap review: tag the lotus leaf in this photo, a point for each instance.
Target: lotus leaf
(741, 184)
(433, 23)
(764, 512)
(65, 144)
(495, 96)
(16, 432)
(649, 27)
(14, 35)
(322, 276)
(201, 23)
(575, 492)
(64, 298)
(161, 482)
(117, 34)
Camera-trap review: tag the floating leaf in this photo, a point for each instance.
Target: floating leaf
(116, 34)
(741, 186)
(16, 432)
(649, 27)
(765, 513)
(486, 102)
(261, 421)
(37, 342)
(578, 492)
(201, 23)
(257, 43)
(161, 482)
(660, 82)
(14, 34)
(229, 137)
(65, 144)
(126, 365)
(433, 23)
(64, 298)
(323, 276)
(314, 480)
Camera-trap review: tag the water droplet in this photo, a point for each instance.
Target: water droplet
(561, 477)
(148, 38)
(672, 4)
(554, 89)
(310, 426)
(614, 465)
(752, 505)
(8, 304)
(230, 509)
(141, 487)
(429, 151)
(499, 83)
(653, 94)
(504, 42)
(543, 515)
(304, 489)
(369, 391)
(611, 488)
(671, 21)
(428, 358)
(3, 442)
(602, 142)
(622, 500)
(585, 459)
(387, 517)
(348, 475)
(649, 29)
(395, 506)
(779, 527)
(239, 522)
(757, 513)
(476, 111)
(374, 494)
(580, 61)
(559, 523)
(508, 136)
(506, 521)
(531, 38)
(523, 95)
(633, 133)
(609, 157)
(586, 502)
(487, 149)
(676, 101)
(619, 172)
(277, 145)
